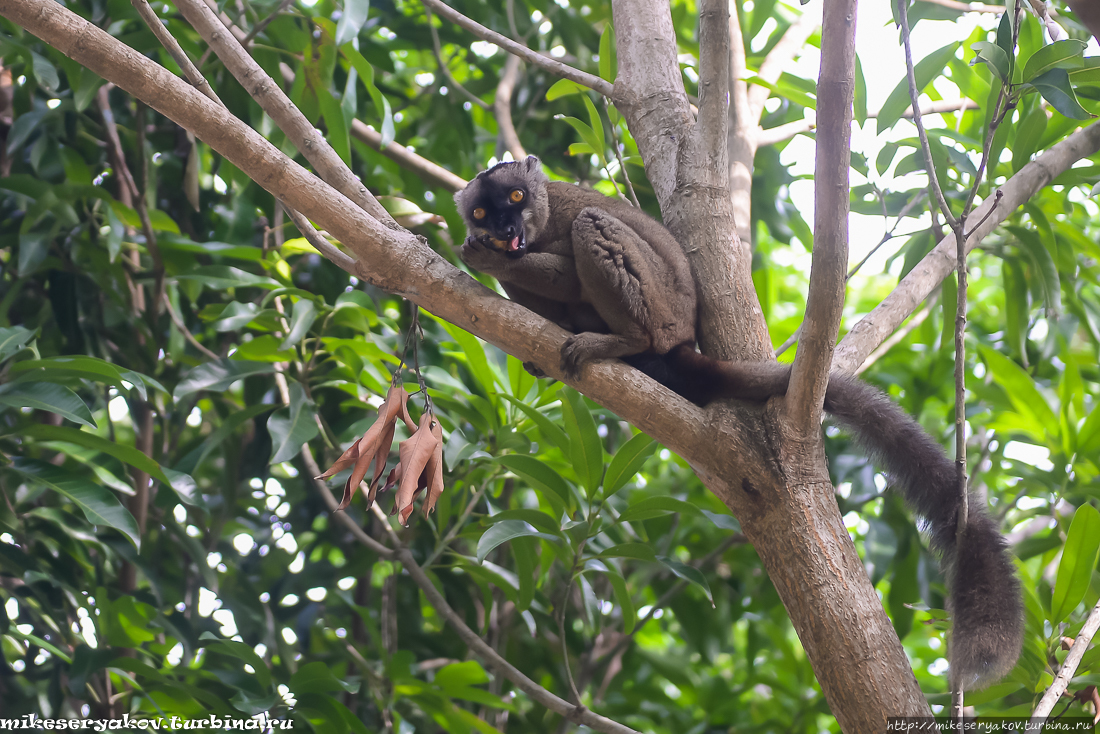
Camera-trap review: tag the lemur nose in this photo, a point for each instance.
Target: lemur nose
(510, 231)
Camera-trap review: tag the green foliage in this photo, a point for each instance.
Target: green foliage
(563, 537)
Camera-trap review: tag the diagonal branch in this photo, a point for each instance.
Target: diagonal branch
(502, 109)
(714, 85)
(576, 714)
(275, 103)
(784, 51)
(1069, 667)
(873, 328)
(825, 301)
(445, 70)
(553, 66)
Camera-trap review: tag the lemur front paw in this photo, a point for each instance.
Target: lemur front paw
(574, 353)
(533, 369)
(479, 257)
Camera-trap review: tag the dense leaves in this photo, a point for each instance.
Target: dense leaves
(164, 550)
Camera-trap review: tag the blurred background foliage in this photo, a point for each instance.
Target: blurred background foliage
(168, 350)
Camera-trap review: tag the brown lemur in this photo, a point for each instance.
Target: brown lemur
(614, 276)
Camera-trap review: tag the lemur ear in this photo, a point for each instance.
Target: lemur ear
(532, 164)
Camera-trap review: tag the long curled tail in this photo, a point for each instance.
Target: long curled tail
(985, 596)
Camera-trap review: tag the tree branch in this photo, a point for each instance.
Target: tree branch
(278, 106)
(786, 49)
(172, 46)
(788, 130)
(553, 66)
(1069, 667)
(873, 328)
(502, 109)
(743, 133)
(445, 70)
(402, 155)
(825, 301)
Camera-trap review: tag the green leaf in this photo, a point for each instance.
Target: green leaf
(637, 551)
(476, 360)
(1016, 309)
(588, 135)
(33, 248)
(126, 454)
(609, 64)
(1067, 54)
(292, 426)
(316, 677)
(994, 57)
(352, 20)
(626, 602)
(223, 277)
(240, 651)
(236, 315)
(335, 124)
(1046, 272)
(13, 339)
(1088, 439)
(458, 675)
(538, 518)
(301, 319)
(597, 128)
(98, 504)
(229, 426)
(549, 431)
(525, 550)
(1028, 134)
(722, 520)
(652, 507)
(1055, 87)
(562, 88)
(85, 368)
(689, 574)
(537, 474)
(44, 72)
(47, 396)
(504, 531)
(585, 447)
(217, 376)
(626, 462)
(1077, 564)
(1021, 389)
(924, 71)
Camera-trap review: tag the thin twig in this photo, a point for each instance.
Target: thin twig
(502, 107)
(185, 331)
(278, 106)
(172, 46)
(445, 71)
(454, 531)
(326, 248)
(533, 57)
(1069, 667)
(262, 24)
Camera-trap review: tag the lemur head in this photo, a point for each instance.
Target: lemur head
(506, 206)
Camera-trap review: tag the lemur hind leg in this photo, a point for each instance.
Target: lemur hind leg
(624, 280)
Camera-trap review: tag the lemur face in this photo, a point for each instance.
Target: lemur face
(498, 204)
(497, 217)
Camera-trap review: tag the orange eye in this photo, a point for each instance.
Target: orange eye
(516, 196)
(479, 213)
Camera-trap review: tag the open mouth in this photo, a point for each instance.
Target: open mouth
(514, 247)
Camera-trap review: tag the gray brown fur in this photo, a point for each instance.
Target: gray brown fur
(616, 278)
(596, 266)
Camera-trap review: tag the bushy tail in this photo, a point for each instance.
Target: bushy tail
(985, 597)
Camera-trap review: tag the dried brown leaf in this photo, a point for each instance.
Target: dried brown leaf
(374, 446)
(434, 470)
(415, 453)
